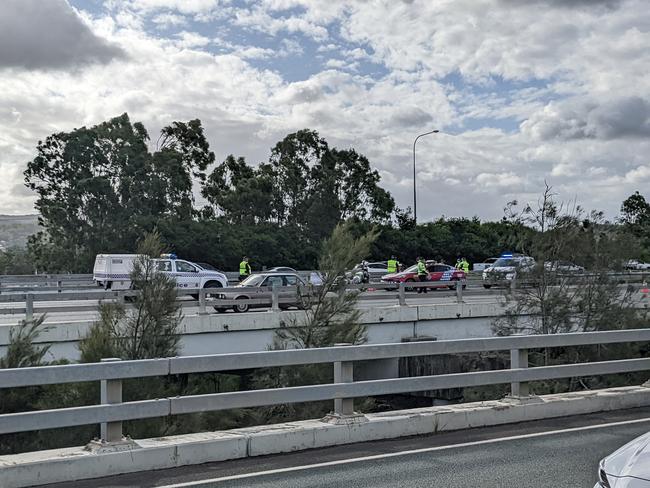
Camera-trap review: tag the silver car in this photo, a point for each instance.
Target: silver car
(506, 269)
(628, 467)
(260, 287)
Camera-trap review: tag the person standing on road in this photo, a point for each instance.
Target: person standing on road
(464, 265)
(423, 275)
(458, 264)
(244, 269)
(393, 265)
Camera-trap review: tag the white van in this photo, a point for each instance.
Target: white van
(112, 271)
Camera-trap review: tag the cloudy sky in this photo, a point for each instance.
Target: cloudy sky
(522, 92)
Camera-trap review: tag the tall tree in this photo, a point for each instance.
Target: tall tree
(98, 188)
(305, 184)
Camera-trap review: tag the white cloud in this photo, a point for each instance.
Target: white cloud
(575, 79)
(191, 39)
(167, 20)
(183, 6)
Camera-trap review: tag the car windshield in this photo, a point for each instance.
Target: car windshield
(412, 269)
(503, 262)
(253, 280)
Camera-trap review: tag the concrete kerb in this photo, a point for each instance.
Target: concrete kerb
(31, 469)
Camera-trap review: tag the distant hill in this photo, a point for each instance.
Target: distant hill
(15, 229)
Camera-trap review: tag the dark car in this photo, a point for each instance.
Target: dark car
(437, 272)
(260, 286)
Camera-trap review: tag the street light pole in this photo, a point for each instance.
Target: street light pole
(415, 200)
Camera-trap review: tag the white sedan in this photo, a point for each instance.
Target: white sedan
(628, 467)
(637, 265)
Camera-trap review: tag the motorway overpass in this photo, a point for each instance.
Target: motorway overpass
(438, 315)
(441, 314)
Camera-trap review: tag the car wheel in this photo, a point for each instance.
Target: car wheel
(487, 287)
(409, 288)
(244, 307)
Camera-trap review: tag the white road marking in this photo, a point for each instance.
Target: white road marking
(402, 453)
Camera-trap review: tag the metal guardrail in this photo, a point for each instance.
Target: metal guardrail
(113, 411)
(279, 297)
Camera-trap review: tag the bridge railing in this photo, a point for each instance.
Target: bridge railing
(280, 297)
(67, 282)
(276, 298)
(113, 410)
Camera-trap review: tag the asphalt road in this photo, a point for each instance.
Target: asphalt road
(86, 309)
(557, 453)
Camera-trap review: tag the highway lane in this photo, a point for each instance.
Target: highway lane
(558, 453)
(74, 310)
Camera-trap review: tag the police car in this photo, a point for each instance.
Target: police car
(436, 272)
(507, 268)
(112, 271)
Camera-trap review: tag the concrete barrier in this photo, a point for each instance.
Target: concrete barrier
(214, 333)
(93, 461)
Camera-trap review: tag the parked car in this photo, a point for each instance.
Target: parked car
(260, 286)
(636, 265)
(484, 265)
(112, 271)
(627, 467)
(563, 267)
(207, 266)
(437, 272)
(507, 268)
(376, 270)
(281, 269)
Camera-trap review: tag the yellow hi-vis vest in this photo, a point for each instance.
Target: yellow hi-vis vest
(422, 268)
(244, 268)
(392, 265)
(465, 266)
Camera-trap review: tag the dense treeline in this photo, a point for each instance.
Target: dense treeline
(101, 188)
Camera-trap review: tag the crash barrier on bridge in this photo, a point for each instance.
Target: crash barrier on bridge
(50, 282)
(65, 282)
(276, 297)
(113, 411)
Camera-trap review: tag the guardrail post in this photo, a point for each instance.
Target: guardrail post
(519, 360)
(343, 373)
(111, 393)
(275, 298)
(459, 291)
(202, 310)
(59, 286)
(402, 294)
(29, 307)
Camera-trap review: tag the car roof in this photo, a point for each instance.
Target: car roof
(276, 273)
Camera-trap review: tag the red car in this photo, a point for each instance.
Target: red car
(437, 272)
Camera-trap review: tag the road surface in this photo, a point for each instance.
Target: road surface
(75, 310)
(557, 453)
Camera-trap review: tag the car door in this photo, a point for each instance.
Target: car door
(435, 272)
(266, 289)
(187, 275)
(291, 282)
(443, 272)
(165, 266)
